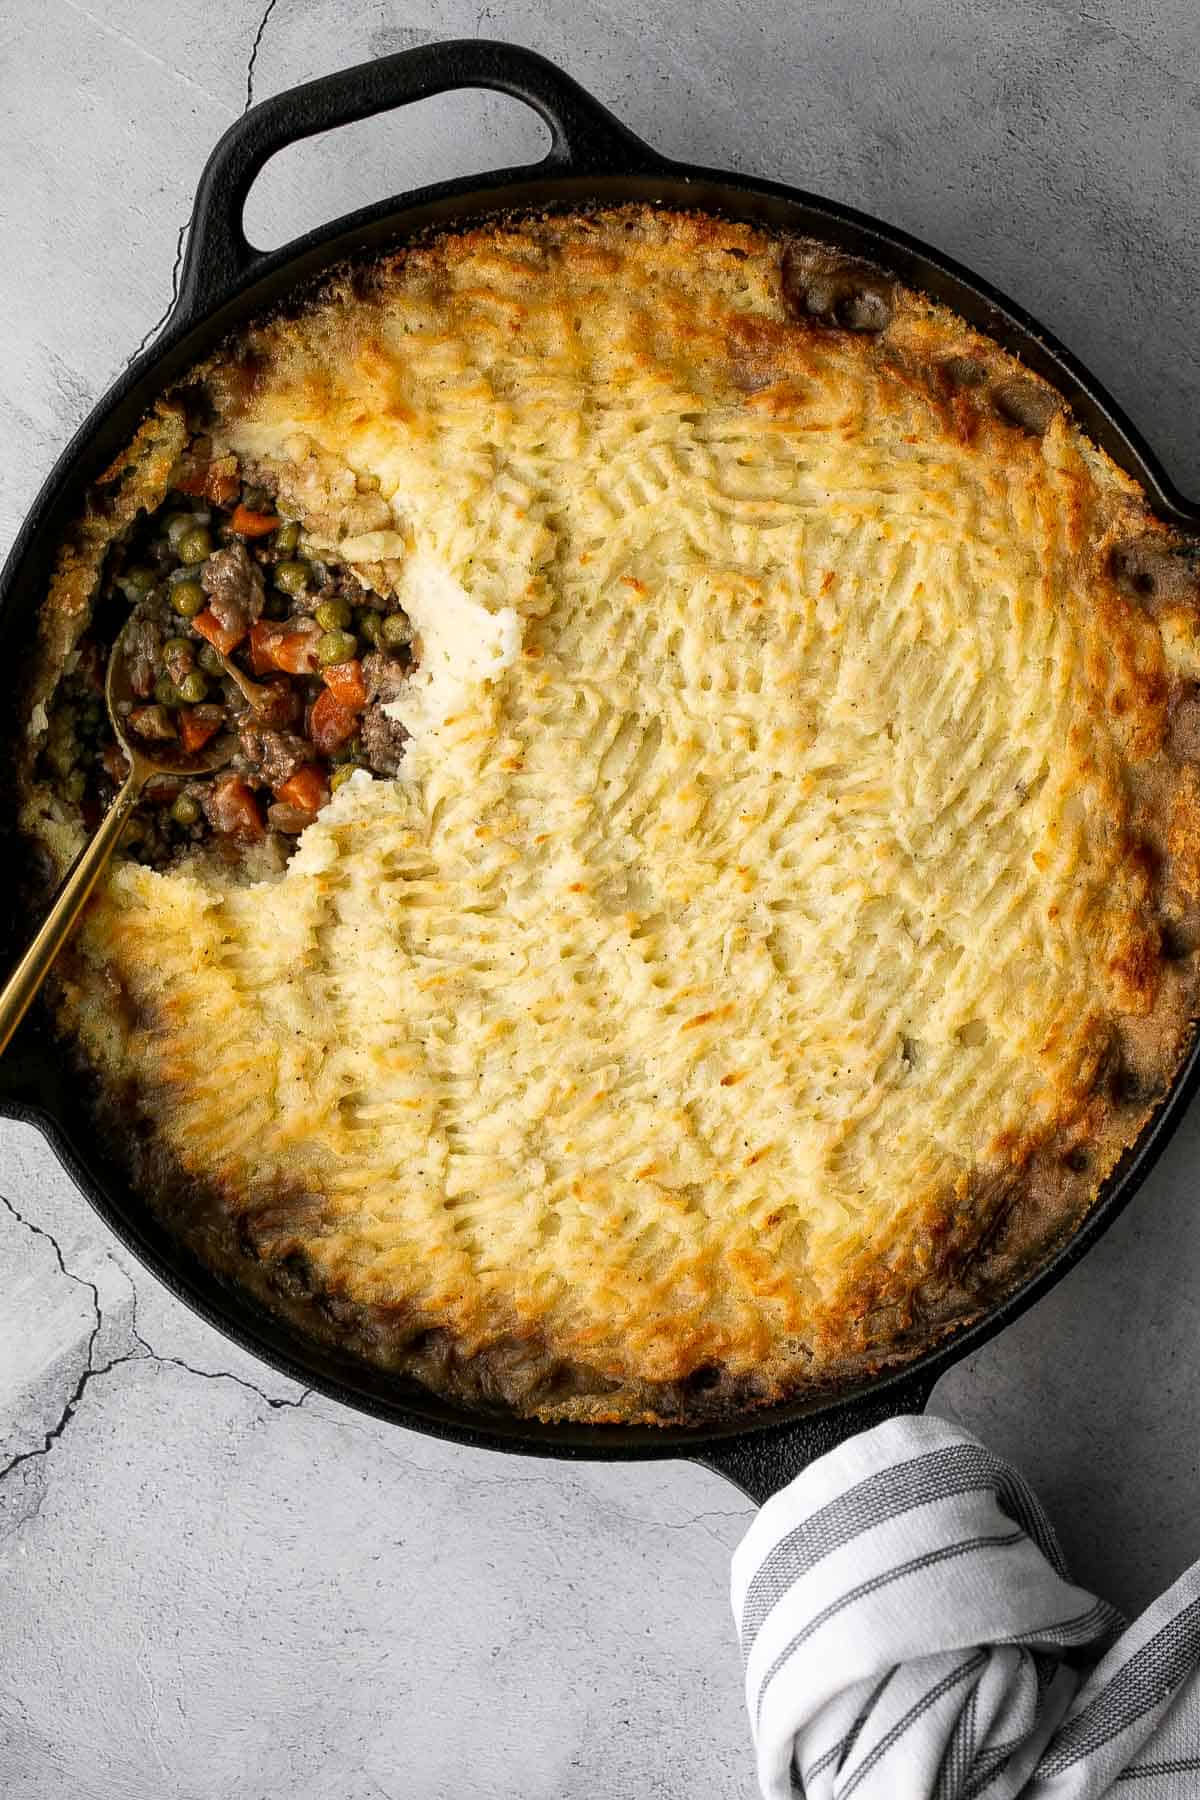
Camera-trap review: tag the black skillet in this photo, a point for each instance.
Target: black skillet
(592, 158)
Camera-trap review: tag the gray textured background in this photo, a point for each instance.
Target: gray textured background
(212, 1584)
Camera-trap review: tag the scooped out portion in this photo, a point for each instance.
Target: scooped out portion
(215, 571)
(716, 888)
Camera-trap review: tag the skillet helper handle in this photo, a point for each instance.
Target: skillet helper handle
(761, 1463)
(19, 990)
(585, 138)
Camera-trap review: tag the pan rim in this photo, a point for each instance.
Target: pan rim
(459, 205)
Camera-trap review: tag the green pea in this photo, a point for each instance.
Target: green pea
(369, 625)
(175, 526)
(292, 577)
(187, 599)
(193, 688)
(209, 660)
(336, 647)
(136, 583)
(165, 691)
(334, 615)
(186, 810)
(287, 537)
(256, 499)
(396, 631)
(195, 546)
(178, 646)
(350, 752)
(341, 775)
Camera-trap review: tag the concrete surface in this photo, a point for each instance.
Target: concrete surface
(212, 1584)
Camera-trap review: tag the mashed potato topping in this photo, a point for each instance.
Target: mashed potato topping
(760, 897)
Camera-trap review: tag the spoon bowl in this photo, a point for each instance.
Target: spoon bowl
(19, 990)
(145, 762)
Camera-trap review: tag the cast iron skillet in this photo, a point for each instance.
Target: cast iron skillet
(225, 281)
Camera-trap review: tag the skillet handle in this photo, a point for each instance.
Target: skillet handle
(585, 138)
(763, 1462)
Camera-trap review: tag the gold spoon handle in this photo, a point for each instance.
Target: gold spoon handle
(29, 974)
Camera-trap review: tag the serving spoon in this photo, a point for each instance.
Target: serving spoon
(18, 991)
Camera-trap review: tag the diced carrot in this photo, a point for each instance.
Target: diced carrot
(252, 524)
(234, 810)
(330, 724)
(263, 637)
(222, 637)
(296, 652)
(345, 682)
(307, 788)
(216, 481)
(274, 646)
(194, 733)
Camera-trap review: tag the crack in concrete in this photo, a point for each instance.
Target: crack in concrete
(170, 306)
(181, 238)
(254, 49)
(698, 1521)
(88, 1375)
(177, 1362)
(156, 1356)
(153, 1355)
(745, 1512)
(79, 1280)
(97, 1326)
(145, 1352)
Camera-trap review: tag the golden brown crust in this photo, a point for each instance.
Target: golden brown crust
(787, 919)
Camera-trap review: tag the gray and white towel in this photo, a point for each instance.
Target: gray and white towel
(910, 1633)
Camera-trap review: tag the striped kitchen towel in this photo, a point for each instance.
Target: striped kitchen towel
(910, 1632)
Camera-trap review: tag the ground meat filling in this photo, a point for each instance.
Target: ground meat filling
(268, 756)
(383, 741)
(385, 676)
(217, 576)
(234, 586)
